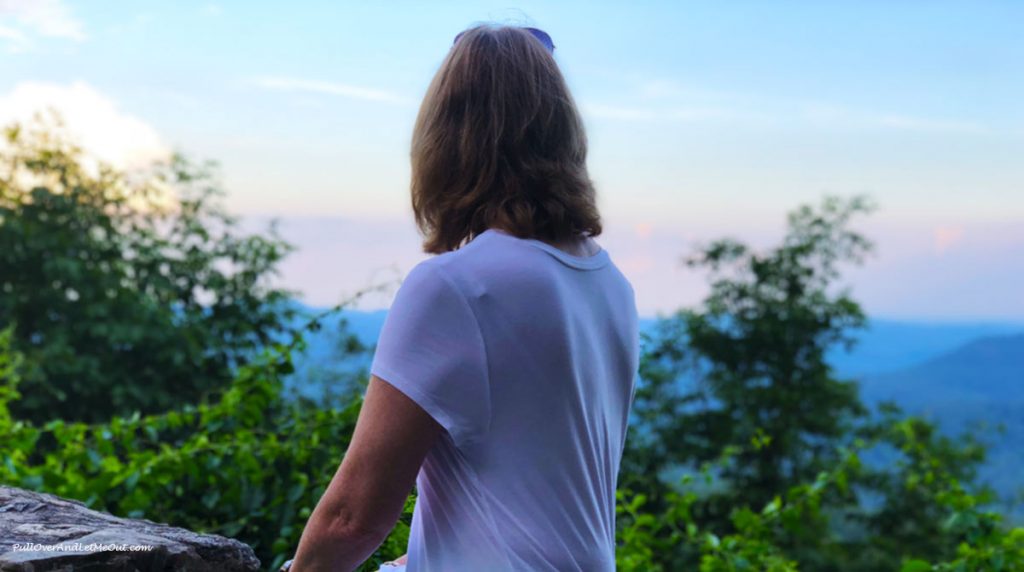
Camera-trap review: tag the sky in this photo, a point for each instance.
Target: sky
(705, 120)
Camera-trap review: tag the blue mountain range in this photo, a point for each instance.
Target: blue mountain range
(961, 375)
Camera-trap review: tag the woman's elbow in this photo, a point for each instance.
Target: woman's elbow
(346, 526)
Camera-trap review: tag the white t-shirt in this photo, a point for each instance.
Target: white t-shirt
(527, 356)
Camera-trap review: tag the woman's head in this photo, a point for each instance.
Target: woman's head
(498, 143)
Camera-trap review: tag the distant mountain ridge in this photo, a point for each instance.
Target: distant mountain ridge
(890, 345)
(980, 386)
(980, 369)
(884, 346)
(957, 374)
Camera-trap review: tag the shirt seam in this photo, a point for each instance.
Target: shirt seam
(480, 335)
(597, 261)
(423, 398)
(594, 262)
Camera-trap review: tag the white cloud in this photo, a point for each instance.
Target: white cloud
(21, 21)
(661, 88)
(638, 113)
(616, 112)
(929, 125)
(329, 88)
(663, 99)
(90, 118)
(698, 113)
(16, 40)
(828, 115)
(669, 89)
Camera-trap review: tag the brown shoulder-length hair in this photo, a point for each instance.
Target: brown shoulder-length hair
(499, 143)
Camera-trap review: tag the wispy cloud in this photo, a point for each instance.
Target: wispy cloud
(660, 100)
(642, 113)
(16, 40)
(616, 112)
(23, 20)
(929, 125)
(329, 88)
(829, 115)
(670, 89)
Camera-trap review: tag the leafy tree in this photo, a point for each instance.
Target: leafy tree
(249, 464)
(748, 365)
(762, 335)
(127, 291)
(740, 386)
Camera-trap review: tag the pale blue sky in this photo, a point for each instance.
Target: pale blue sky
(704, 118)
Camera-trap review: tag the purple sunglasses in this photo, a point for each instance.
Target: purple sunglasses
(541, 35)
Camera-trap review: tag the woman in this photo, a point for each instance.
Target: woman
(504, 373)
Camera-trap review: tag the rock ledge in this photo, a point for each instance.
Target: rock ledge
(64, 535)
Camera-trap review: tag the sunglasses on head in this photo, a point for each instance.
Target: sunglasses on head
(541, 36)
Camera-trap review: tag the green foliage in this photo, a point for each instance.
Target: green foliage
(127, 291)
(677, 539)
(917, 468)
(763, 538)
(249, 464)
(10, 363)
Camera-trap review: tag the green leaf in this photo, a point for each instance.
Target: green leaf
(915, 566)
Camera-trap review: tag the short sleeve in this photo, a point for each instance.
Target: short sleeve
(432, 350)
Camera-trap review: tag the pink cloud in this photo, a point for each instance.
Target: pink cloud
(947, 236)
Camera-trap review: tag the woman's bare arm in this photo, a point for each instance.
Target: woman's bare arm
(365, 498)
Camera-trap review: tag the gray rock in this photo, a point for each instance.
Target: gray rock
(65, 535)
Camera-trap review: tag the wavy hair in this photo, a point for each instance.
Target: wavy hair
(499, 143)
